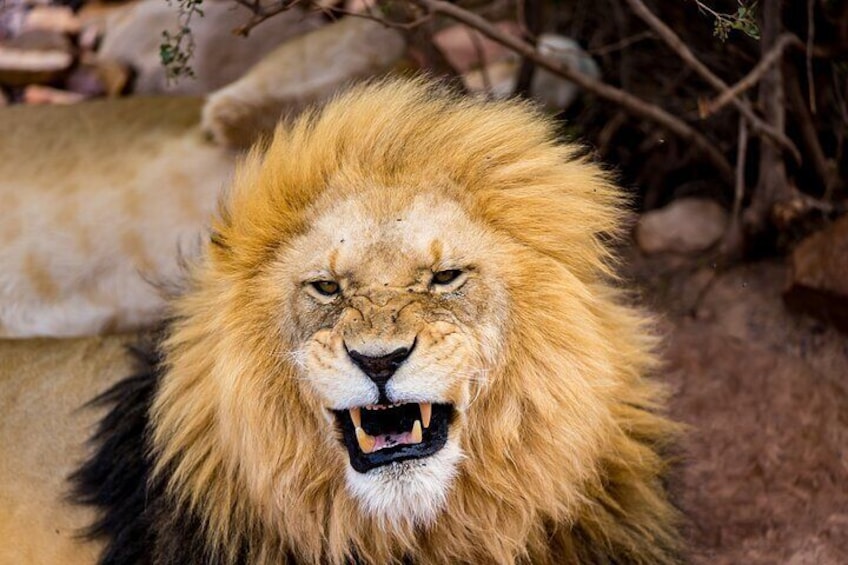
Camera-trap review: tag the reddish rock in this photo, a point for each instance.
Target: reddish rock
(818, 275)
(457, 43)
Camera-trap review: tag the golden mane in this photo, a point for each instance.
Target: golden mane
(562, 447)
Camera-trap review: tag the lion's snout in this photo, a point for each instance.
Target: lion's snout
(380, 368)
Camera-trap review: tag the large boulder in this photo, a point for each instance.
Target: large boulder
(133, 37)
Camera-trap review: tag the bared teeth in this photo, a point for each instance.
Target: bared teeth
(366, 442)
(426, 413)
(416, 434)
(356, 417)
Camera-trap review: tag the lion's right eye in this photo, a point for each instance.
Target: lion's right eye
(327, 288)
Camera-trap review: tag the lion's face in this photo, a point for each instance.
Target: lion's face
(397, 313)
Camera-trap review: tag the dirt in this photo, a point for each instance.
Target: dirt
(764, 464)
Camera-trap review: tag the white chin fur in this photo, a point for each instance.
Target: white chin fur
(413, 491)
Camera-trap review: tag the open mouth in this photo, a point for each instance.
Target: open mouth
(380, 434)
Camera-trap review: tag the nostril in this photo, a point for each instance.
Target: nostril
(380, 369)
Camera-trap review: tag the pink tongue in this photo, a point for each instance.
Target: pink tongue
(390, 440)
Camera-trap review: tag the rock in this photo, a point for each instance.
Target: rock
(35, 57)
(686, 225)
(553, 91)
(301, 72)
(132, 37)
(495, 79)
(457, 44)
(818, 275)
(36, 95)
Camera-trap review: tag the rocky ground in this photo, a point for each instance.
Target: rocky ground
(764, 463)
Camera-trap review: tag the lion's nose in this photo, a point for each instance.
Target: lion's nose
(380, 369)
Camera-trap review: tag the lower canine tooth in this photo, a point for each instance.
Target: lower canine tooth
(426, 413)
(416, 432)
(366, 442)
(355, 417)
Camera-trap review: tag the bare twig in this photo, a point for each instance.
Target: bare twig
(626, 42)
(632, 104)
(261, 13)
(756, 74)
(682, 50)
(732, 234)
(530, 20)
(772, 186)
(811, 33)
(827, 172)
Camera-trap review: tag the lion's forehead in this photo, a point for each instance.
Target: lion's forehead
(393, 237)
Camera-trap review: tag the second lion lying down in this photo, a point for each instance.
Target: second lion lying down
(401, 344)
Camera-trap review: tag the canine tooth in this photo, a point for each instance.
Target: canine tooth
(416, 434)
(366, 442)
(356, 417)
(426, 413)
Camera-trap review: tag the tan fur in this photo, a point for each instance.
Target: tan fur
(559, 432)
(99, 199)
(43, 385)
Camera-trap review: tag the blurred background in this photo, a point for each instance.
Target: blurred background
(724, 120)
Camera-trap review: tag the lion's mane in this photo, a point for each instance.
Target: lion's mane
(563, 448)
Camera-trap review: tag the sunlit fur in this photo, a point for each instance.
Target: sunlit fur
(559, 436)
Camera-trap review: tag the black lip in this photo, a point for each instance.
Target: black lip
(434, 439)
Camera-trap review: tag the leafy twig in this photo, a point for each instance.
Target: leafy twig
(753, 77)
(177, 47)
(743, 20)
(679, 47)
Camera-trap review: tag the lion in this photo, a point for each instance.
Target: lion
(404, 342)
(100, 199)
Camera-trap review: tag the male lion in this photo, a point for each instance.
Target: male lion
(402, 344)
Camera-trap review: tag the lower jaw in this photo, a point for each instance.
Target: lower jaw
(434, 439)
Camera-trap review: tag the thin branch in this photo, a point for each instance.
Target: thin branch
(529, 16)
(633, 104)
(261, 13)
(626, 42)
(679, 47)
(731, 235)
(827, 172)
(756, 74)
(811, 34)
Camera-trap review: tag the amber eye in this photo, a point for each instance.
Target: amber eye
(327, 288)
(446, 277)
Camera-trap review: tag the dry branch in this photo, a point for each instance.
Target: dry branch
(756, 74)
(632, 104)
(773, 185)
(679, 47)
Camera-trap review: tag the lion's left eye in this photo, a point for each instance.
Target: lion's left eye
(446, 277)
(327, 288)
